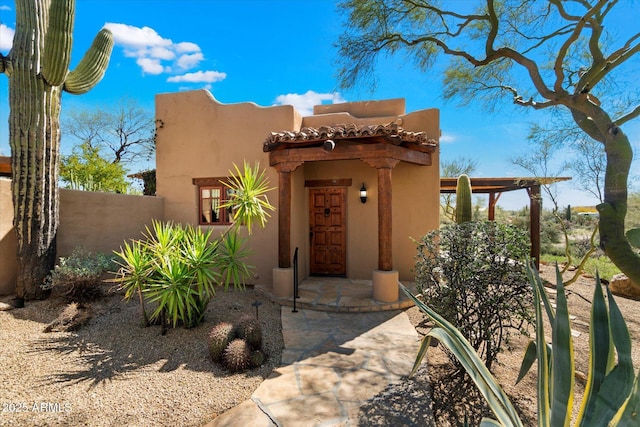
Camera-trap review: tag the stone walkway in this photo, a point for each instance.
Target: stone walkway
(338, 369)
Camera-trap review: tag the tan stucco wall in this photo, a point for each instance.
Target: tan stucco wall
(99, 222)
(201, 137)
(8, 261)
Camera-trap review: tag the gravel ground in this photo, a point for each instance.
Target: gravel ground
(114, 372)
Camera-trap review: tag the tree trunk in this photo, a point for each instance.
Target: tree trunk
(614, 209)
(34, 136)
(596, 123)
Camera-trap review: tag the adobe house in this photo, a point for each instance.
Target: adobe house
(318, 166)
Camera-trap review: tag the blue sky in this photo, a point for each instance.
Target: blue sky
(273, 52)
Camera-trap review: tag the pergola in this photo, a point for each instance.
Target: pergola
(494, 187)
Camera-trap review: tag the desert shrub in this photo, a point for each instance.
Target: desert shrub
(78, 276)
(474, 275)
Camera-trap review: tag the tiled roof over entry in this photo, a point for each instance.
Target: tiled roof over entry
(308, 136)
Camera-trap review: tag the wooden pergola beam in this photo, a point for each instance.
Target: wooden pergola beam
(496, 186)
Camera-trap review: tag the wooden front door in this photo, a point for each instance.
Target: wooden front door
(328, 231)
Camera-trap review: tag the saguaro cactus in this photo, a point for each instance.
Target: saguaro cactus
(38, 70)
(463, 199)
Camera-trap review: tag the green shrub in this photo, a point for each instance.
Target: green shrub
(78, 276)
(473, 274)
(176, 267)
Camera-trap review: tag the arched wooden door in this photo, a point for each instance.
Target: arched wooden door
(327, 231)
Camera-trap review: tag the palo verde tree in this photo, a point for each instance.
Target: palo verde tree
(38, 70)
(552, 54)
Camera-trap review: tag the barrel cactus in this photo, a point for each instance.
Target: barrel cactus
(219, 338)
(463, 199)
(38, 70)
(237, 355)
(257, 358)
(249, 329)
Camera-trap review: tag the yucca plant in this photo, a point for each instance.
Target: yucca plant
(178, 267)
(248, 201)
(135, 270)
(233, 249)
(612, 394)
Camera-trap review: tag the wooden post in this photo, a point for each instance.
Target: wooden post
(385, 241)
(385, 208)
(534, 222)
(284, 212)
(492, 207)
(493, 201)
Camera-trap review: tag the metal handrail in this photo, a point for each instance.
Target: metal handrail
(295, 280)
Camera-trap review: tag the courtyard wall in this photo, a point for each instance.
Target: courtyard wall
(99, 222)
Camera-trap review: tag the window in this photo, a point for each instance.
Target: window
(212, 193)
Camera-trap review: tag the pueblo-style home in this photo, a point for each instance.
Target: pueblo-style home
(353, 183)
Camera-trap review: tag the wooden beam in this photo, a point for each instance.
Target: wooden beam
(350, 152)
(343, 182)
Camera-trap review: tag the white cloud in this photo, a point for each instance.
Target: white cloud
(187, 47)
(131, 37)
(154, 53)
(6, 37)
(4, 7)
(199, 77)
(447, 138)
(150, 65)
(188, 61)
(304, 103)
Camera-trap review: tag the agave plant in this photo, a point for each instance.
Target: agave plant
(612, 393)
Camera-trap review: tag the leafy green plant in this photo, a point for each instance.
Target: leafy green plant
(473, 274)
(135, 270)
(177, 268)
(612, 393)
(78, 276)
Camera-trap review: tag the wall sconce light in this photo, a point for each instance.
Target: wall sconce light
(363, 193)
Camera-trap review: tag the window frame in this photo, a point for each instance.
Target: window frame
(217, 183)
